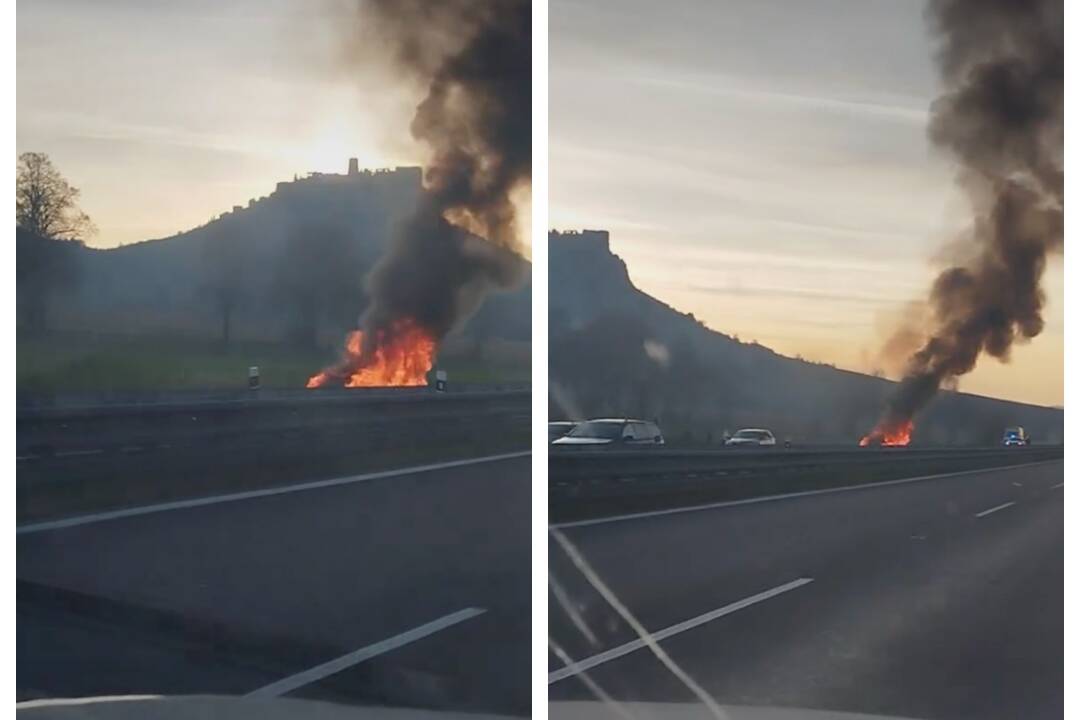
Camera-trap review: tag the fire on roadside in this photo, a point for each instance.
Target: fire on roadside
(889, 436)
(399, 357)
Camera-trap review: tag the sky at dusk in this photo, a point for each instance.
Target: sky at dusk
(167, 114)
(764, 165)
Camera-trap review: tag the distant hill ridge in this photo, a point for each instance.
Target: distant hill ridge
(351, 193)
(615, 350)
(255, 258)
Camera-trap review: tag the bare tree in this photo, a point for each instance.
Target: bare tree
(45, 202)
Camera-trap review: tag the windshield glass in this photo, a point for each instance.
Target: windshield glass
(598, 429)
(832, 524)
(557, 430)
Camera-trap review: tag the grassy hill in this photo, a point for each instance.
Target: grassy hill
(60, 363)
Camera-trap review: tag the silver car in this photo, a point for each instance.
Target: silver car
(611, 432)
(559, 428)
(752, 437)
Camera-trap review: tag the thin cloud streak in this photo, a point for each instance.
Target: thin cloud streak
(801, 295)
(727, 87)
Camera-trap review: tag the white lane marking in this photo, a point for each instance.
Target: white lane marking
(627, 648)
(787, 496)
(1055, 487)
(597, 583)
(594, 688)
(79, 453)
(286, 685)
(67, 702)
(20, 458)
(994, 509)
(567, 604)
(252, 494)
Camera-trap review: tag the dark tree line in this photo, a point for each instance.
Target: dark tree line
(617, 366)
(50, 229)
(314, 283)
(318, 281)
(225, 275)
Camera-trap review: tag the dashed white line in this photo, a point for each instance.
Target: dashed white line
(251, 494)
(994, 509)
(286, 685)
(789, 496)
(66, 453)
(627, 648)
(75, 702)
(1059, 485)
(79, 453)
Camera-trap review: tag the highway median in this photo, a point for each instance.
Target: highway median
(95, 459)
(587, 485)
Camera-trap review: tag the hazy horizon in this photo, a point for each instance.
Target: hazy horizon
(766, 168)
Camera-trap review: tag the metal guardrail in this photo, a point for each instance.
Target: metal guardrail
(595, 467)
(164, 403)
(331, 425)
(590, 484)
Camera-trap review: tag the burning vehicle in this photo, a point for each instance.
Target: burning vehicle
(401, 358)
(883, 436)
(1001, 120)
(474, 61)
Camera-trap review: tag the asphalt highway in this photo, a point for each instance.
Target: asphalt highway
(74, 463)
(933, 599)
(410, 589)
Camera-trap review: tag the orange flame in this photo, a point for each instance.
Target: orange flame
(401, 358)
(898, 436)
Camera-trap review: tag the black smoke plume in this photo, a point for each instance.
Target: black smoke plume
(474, 57)
(1001, 119)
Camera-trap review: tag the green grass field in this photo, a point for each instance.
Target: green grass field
(60, 363)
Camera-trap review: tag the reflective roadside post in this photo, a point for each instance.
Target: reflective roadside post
(440, 381)
(253, 377)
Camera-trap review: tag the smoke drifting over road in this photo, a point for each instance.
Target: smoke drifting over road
(1001, 118)
(474, 58)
